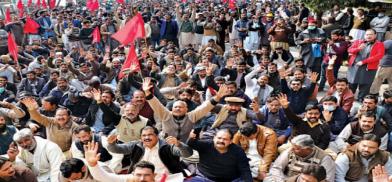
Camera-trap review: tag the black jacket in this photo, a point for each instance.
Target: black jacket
(169, 154)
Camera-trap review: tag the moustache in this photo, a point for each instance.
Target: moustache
(220, 143)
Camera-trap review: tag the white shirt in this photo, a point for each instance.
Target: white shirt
(152, 155)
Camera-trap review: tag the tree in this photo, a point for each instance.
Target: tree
(324, 5)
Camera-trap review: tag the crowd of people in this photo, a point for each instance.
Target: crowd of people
(220, 91)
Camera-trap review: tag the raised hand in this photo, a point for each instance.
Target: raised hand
(34, 127)
(332, 60)
(284, 102)
(12, 151)
(172, 141)
(380, 174)
(313, 77)
(327, 115)
(221, 92)
(30, 103)
(147, 85)
(282, 73)
(91, 153)
(97, 95)
(112, 138)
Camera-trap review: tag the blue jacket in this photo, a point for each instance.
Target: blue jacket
(282, 127)
(299, 99)
(339, 120)
(163, 32)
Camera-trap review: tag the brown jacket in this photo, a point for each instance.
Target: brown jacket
(62, 136)
(266, 145)
(347, 98)
(356, 168)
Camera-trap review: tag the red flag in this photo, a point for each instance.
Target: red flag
(92, 5)
(232, 4)
(8, 16)
(52, 4)
(12, 48)
(131, 60)
(163, 178)
(44, 4)
(120, 1)
(30, 26)
(29, 2)
(132, 30)
(183, 1)
(212, 91)
(96, 35)
(38, 4)
(20, 5)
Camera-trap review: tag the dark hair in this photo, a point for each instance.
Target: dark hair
(231, 83)
(387, 94)
(219, 78)
(31, 72)
(109, 92)
(4, 77)
(300, 70)
(312, 107)
(372, 137)
(51, 99)
(317, 171)
(242, 62)
(55, 72)
(226, 131)
(342, 80)
(372, 97)
(145, 164)
(64, 108)
(271, 99)
(295, 80)
(329, 98)
(62, 79)
(337, 32)
(84, 128)
(187, 90)
(149, 128)
(70, 166)
(369, 114)
(248, 129)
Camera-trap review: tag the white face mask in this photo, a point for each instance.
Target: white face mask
(329, 108)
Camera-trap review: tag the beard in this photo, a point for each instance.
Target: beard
(3, 127)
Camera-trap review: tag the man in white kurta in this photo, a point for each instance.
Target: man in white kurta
(42, 156)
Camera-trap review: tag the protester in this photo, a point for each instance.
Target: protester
(80, 72)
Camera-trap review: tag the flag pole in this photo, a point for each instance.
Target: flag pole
(16, 58)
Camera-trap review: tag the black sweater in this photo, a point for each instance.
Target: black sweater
(222, 167)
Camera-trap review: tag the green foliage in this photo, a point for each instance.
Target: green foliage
(324, 5)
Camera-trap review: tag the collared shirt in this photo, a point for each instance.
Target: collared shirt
(152, 155)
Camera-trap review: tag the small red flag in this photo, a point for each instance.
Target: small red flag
(96, 35)
(212, 91)
(8, 16)
(131, 60)
(163, 178)
(132, 30)
(30, 26)
(38, 4)
(52, 4)
(19, 5)
(44, 5)
(92, 5)
(29, 2)
(120, 1)
(12, 48)
(232, 4)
